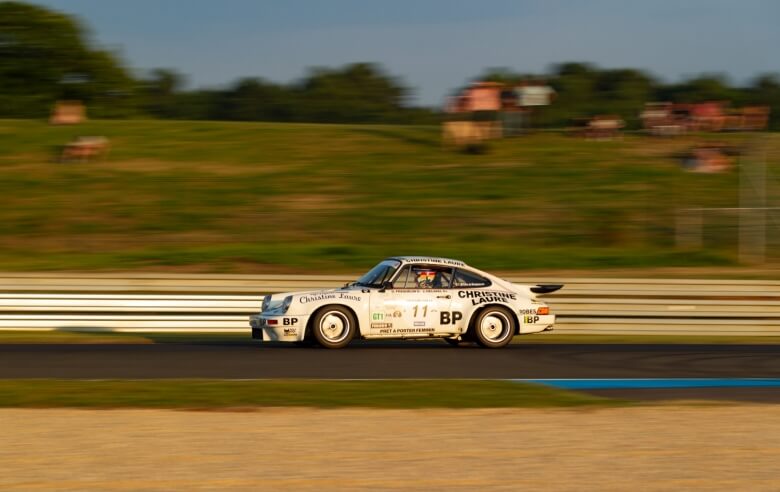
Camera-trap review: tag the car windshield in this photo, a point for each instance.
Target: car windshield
(379, 274)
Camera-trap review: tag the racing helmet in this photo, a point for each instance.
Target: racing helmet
(425, 278)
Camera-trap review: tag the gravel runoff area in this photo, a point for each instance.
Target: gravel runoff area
(665, 447)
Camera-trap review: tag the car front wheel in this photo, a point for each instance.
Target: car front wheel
(494, 327)
(334, 326)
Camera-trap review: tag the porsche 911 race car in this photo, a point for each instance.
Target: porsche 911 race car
(406, 297)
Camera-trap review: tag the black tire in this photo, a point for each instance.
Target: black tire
(494, 327)
(334, 326)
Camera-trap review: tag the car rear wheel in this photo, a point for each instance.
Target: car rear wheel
(494, 327)
(334, 326)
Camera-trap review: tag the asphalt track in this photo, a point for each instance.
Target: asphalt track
(373, 360)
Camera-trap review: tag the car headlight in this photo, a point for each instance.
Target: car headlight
(286, 304)
(266, 302)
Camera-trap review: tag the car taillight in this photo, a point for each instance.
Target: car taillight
(272, 321)
(543, 310)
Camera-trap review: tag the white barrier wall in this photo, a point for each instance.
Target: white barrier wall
(202, 303)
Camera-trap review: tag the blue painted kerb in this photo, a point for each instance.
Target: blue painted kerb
(583, 384)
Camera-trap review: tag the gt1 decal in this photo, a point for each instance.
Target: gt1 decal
(289, 321)
(446, 318)
(377, 316)
(531, 319)
(480, 296)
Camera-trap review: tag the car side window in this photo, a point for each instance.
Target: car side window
(464, 278)
(401, 279)
(429, 277)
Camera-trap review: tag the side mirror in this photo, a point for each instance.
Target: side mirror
(386, 285)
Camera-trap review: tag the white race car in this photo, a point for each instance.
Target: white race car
(407, 297)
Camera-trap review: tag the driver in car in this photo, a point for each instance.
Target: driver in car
(425, 279)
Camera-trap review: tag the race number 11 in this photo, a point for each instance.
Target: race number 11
(424, 310)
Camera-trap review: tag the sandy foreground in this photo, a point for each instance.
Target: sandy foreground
(729, 447)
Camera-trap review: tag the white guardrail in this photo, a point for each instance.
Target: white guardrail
(222, 303)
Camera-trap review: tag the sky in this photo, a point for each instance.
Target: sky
(433, 46)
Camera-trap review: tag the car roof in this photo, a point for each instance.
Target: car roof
(431, 260)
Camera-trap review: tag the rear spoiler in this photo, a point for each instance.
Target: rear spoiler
(545, 288)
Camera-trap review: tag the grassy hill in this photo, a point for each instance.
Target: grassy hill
(208, 196)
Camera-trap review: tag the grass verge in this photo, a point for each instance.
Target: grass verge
(70, 337)
(220, 394)
(269, 197)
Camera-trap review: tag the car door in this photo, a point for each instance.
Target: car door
(417, 304)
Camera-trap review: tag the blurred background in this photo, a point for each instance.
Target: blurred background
(298, 136)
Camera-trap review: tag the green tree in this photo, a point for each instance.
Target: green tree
(700, 89)
(623, 92)
(574, 84)
(359, 92)
(45, 56)
(765, 91)
(254, 99)
(160, 92)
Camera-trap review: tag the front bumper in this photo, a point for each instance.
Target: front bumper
(278, 328)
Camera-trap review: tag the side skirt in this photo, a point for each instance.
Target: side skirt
(410, 336)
